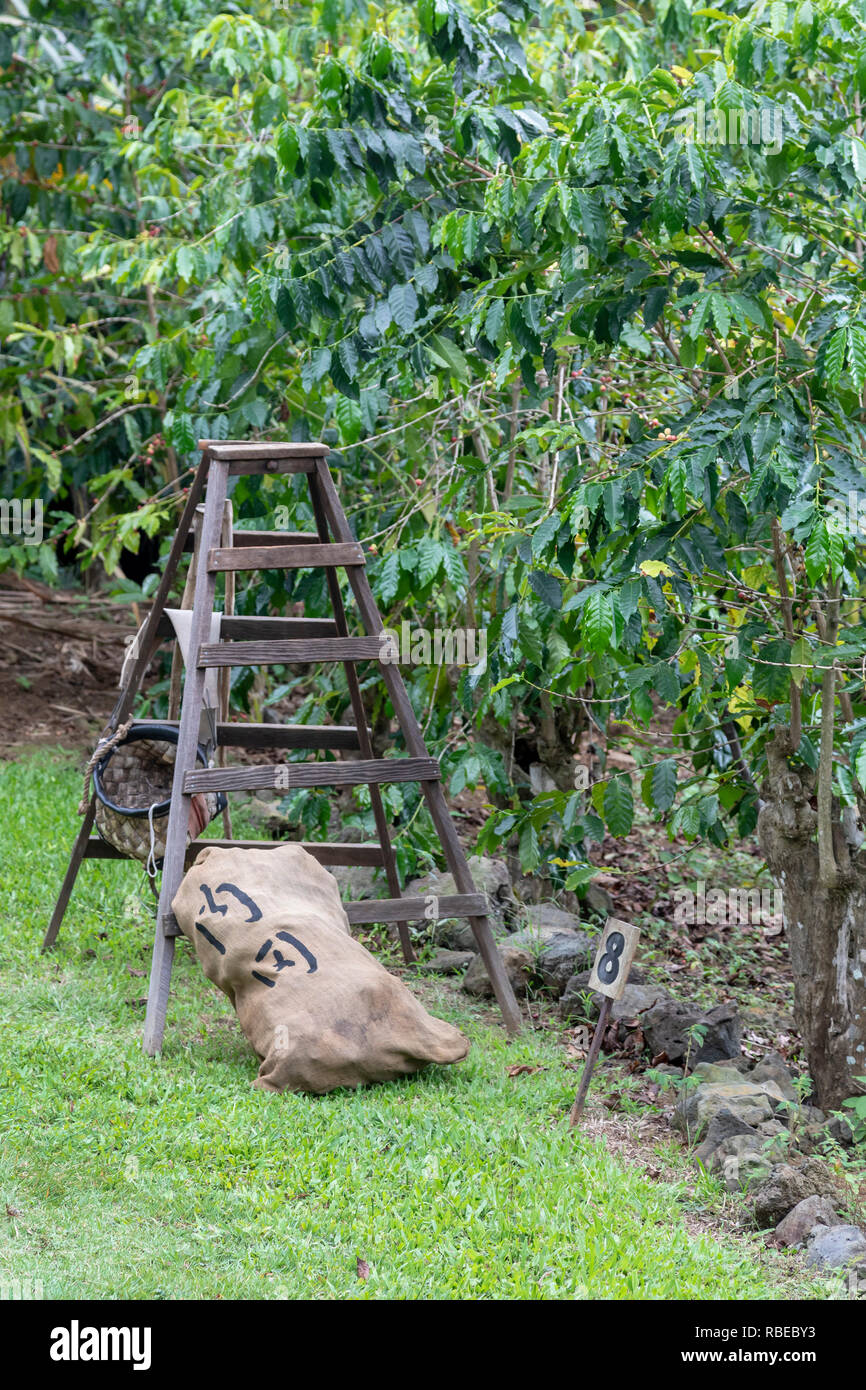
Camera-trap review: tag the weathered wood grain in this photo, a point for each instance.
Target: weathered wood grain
(278, 653)
(283, 557)
(289, 776)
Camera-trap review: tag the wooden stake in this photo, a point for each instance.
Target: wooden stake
(592, 1058)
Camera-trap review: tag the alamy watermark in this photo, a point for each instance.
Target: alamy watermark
(453, 646)
(725, 907)
(759, 126)
(22, 518)
(77, 1343)
(21, 1290)
(849, 513)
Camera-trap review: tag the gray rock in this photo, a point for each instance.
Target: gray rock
(801, 1221)
(787, 1185)
(745, 1171)
(571, 1003)
(740, 1064)
(772, 1067)
(752, 1103)
(357, 882)
(724, 1125)
(535, 938)
(458, 936)
(812, 1115)
(773, 1128)
(717, 1071)
(840, 1129)
(667, 1030)
(598, 900)
(548, 915)
(834, 1247)
(635, 1000)
(560, 957)
(447, 962)
(556, 951)
(740, 1161)
(491, 877)
(518, 967)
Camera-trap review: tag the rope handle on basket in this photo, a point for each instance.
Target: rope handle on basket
(103, 746)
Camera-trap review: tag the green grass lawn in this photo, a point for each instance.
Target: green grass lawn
(133, 1178)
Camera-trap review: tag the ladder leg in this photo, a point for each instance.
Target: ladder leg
(65, 893)
(185, 760)
(456, 861)
(366, 747)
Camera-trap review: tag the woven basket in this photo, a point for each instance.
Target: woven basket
(133, 792)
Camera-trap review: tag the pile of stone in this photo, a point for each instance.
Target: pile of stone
(541, 946)
(751, 1129)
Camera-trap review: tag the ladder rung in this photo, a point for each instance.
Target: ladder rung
(242, 468)
(241, 538)
(277, 653)
(284, 557)
(414, 909)
(282, 628)
(248, 538)
(328, 736)
(290, 776)
(254, 626)
(339, 852)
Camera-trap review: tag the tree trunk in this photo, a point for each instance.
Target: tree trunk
(826, 930)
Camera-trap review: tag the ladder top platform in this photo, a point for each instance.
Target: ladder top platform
(228, 450)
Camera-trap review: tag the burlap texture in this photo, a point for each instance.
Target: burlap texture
(269, 929)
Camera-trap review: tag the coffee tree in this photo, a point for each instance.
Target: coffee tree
(577, 297)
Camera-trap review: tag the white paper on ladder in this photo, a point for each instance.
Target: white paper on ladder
(181, 621)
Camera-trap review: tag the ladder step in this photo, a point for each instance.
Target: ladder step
(247, 458)
(240, 538)
(277, 653)
(254, 626)
(284, 557)
(416, 909)
(338, 852)
(290, 776)
(234, 628)
(328, 736)
(250, 538)
(261, 449)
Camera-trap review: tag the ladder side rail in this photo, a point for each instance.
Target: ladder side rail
(185, 761)
(433, 793)
(376, 803)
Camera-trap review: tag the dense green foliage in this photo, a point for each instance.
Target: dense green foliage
(577, 353)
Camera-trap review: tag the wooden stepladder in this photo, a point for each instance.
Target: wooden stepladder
(254, 641)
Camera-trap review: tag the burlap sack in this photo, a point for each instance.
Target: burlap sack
(268, 927)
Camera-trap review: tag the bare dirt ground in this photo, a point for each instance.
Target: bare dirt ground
(60, 660)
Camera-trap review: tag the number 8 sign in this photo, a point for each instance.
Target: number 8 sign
(614, 957)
